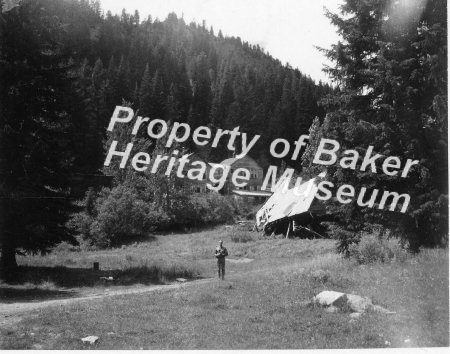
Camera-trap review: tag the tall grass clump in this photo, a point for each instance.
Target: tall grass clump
(155, 273)
(241, 235)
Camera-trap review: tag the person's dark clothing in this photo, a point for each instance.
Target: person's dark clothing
(221, 253)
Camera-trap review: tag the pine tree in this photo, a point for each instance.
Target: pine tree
(158, 96)
(201, 99)
(35, 125)
(145, 93)
(386, 99)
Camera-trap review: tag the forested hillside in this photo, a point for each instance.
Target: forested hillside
(176, 71)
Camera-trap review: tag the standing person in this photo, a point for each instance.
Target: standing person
(221, 253)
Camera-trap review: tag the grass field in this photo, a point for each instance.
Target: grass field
(261, 304)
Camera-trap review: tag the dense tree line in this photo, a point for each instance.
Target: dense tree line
(180, 72)
(391, 70)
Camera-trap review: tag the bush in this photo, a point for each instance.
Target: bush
(377, 249)
(219, 209)
(210, 209)
(121, 214)
(345, 239)
(113, 216)
(117, 214)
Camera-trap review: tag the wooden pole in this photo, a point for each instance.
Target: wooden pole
(289, 227)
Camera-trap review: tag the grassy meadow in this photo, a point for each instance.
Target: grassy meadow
(263, 303)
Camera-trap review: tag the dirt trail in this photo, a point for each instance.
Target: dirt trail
(10, 313)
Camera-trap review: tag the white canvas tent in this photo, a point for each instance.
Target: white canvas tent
(288, 201)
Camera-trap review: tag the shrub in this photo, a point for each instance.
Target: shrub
(211, 209)
(345, 239)
(377, 249)
(121, 214)
(220, 209)
(80, 223)
(117, 214)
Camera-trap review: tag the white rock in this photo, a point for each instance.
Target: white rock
(407, 340)
(89, 339)
(358, 303)
(181, 280)
(327, 298)
(355, 315)
(342, 301)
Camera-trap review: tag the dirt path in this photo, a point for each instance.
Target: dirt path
(11, 313)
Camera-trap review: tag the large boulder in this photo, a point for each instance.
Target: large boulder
(347, 302)
(327, 298)
(358, 303)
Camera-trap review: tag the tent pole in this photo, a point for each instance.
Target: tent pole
(289, 227)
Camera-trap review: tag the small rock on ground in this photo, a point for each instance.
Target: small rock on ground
(89, 339)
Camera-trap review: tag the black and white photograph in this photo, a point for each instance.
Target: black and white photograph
(224, 175)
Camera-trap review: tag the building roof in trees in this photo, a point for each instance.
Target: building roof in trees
(252, 193)
(248, 160)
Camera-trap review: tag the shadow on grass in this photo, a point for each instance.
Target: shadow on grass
(67, 277)
(27, 294)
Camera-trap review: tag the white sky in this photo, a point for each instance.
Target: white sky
(287, 29)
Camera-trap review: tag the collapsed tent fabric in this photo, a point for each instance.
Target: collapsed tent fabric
(287, 201)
